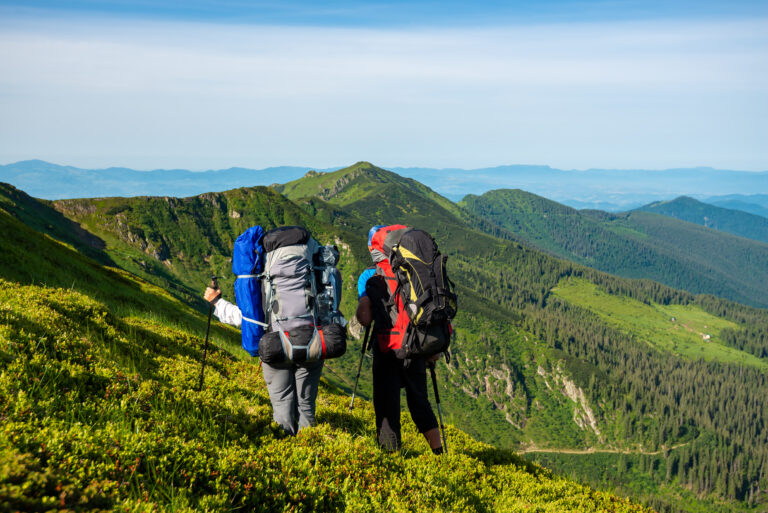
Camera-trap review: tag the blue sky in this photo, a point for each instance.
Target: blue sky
(395, 13)
(204, 85)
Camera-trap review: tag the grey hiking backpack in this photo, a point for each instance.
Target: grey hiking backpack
(301, 289)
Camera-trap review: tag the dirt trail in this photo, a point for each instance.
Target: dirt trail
(591, 450)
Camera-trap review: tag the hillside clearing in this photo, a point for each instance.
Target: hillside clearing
(678, 329)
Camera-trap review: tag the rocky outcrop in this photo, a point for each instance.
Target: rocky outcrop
(583, 415)
(328, 193)
(497, 384)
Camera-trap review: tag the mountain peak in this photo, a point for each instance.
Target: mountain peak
(327, 185)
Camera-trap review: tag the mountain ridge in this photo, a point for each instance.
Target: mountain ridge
(731, 221)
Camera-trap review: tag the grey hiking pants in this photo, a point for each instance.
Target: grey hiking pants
(293, 391)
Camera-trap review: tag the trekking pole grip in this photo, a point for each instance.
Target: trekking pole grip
(214, 282)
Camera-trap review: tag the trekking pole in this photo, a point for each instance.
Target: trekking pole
(360, 365)
(437, 400)
(214, 285)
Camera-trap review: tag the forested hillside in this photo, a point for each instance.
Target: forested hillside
(736, 222)
(531, 369)
(634, 244)
(101, 413)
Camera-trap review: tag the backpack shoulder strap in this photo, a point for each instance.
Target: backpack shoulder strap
(384, 270)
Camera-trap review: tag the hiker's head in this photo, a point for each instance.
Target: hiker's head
(376, 254)
(372, 232)
(381, 238)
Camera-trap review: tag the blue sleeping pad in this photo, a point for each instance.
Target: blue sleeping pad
(247, 264)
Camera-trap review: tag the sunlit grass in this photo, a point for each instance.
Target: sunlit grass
(679, 329)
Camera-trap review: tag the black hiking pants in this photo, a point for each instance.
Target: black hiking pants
(389, 376)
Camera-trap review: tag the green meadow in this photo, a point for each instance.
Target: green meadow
(684, 330)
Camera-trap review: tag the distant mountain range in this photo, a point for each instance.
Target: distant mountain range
(604, 189)
(51, 181)
(753, 203)
(728, 220)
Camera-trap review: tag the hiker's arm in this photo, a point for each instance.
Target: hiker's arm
(225, 311)
(364, 313)
(228, 313)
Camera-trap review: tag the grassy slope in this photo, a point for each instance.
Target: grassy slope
(492, 358)
(182, 228)
(634, 245)
(735, 222)
(193, 236)
(99, 412)
(41, 216)
(653, 323)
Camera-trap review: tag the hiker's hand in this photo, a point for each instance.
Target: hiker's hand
(434, 358)
(364, 312)
(212, 295)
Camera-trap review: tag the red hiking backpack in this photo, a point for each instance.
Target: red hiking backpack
(418, 296)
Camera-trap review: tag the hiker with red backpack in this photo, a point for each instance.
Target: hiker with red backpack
(408, 299)
(288, 291)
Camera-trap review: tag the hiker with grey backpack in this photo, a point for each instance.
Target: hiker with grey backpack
(288, 291)
(408, 300)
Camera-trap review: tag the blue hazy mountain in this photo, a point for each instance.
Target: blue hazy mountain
(52, 181)
(753, 203)
(604, 189)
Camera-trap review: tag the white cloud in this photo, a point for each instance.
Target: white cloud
(196, 95)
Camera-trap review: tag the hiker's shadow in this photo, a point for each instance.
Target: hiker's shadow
(174, 345)
(342, 420)
(493, 456)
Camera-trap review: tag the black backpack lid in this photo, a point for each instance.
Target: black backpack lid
(284, 236)
(420, 243)
(393, 239)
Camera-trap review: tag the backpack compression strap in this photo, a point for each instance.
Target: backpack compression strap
(248, 319)
(289, 347)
